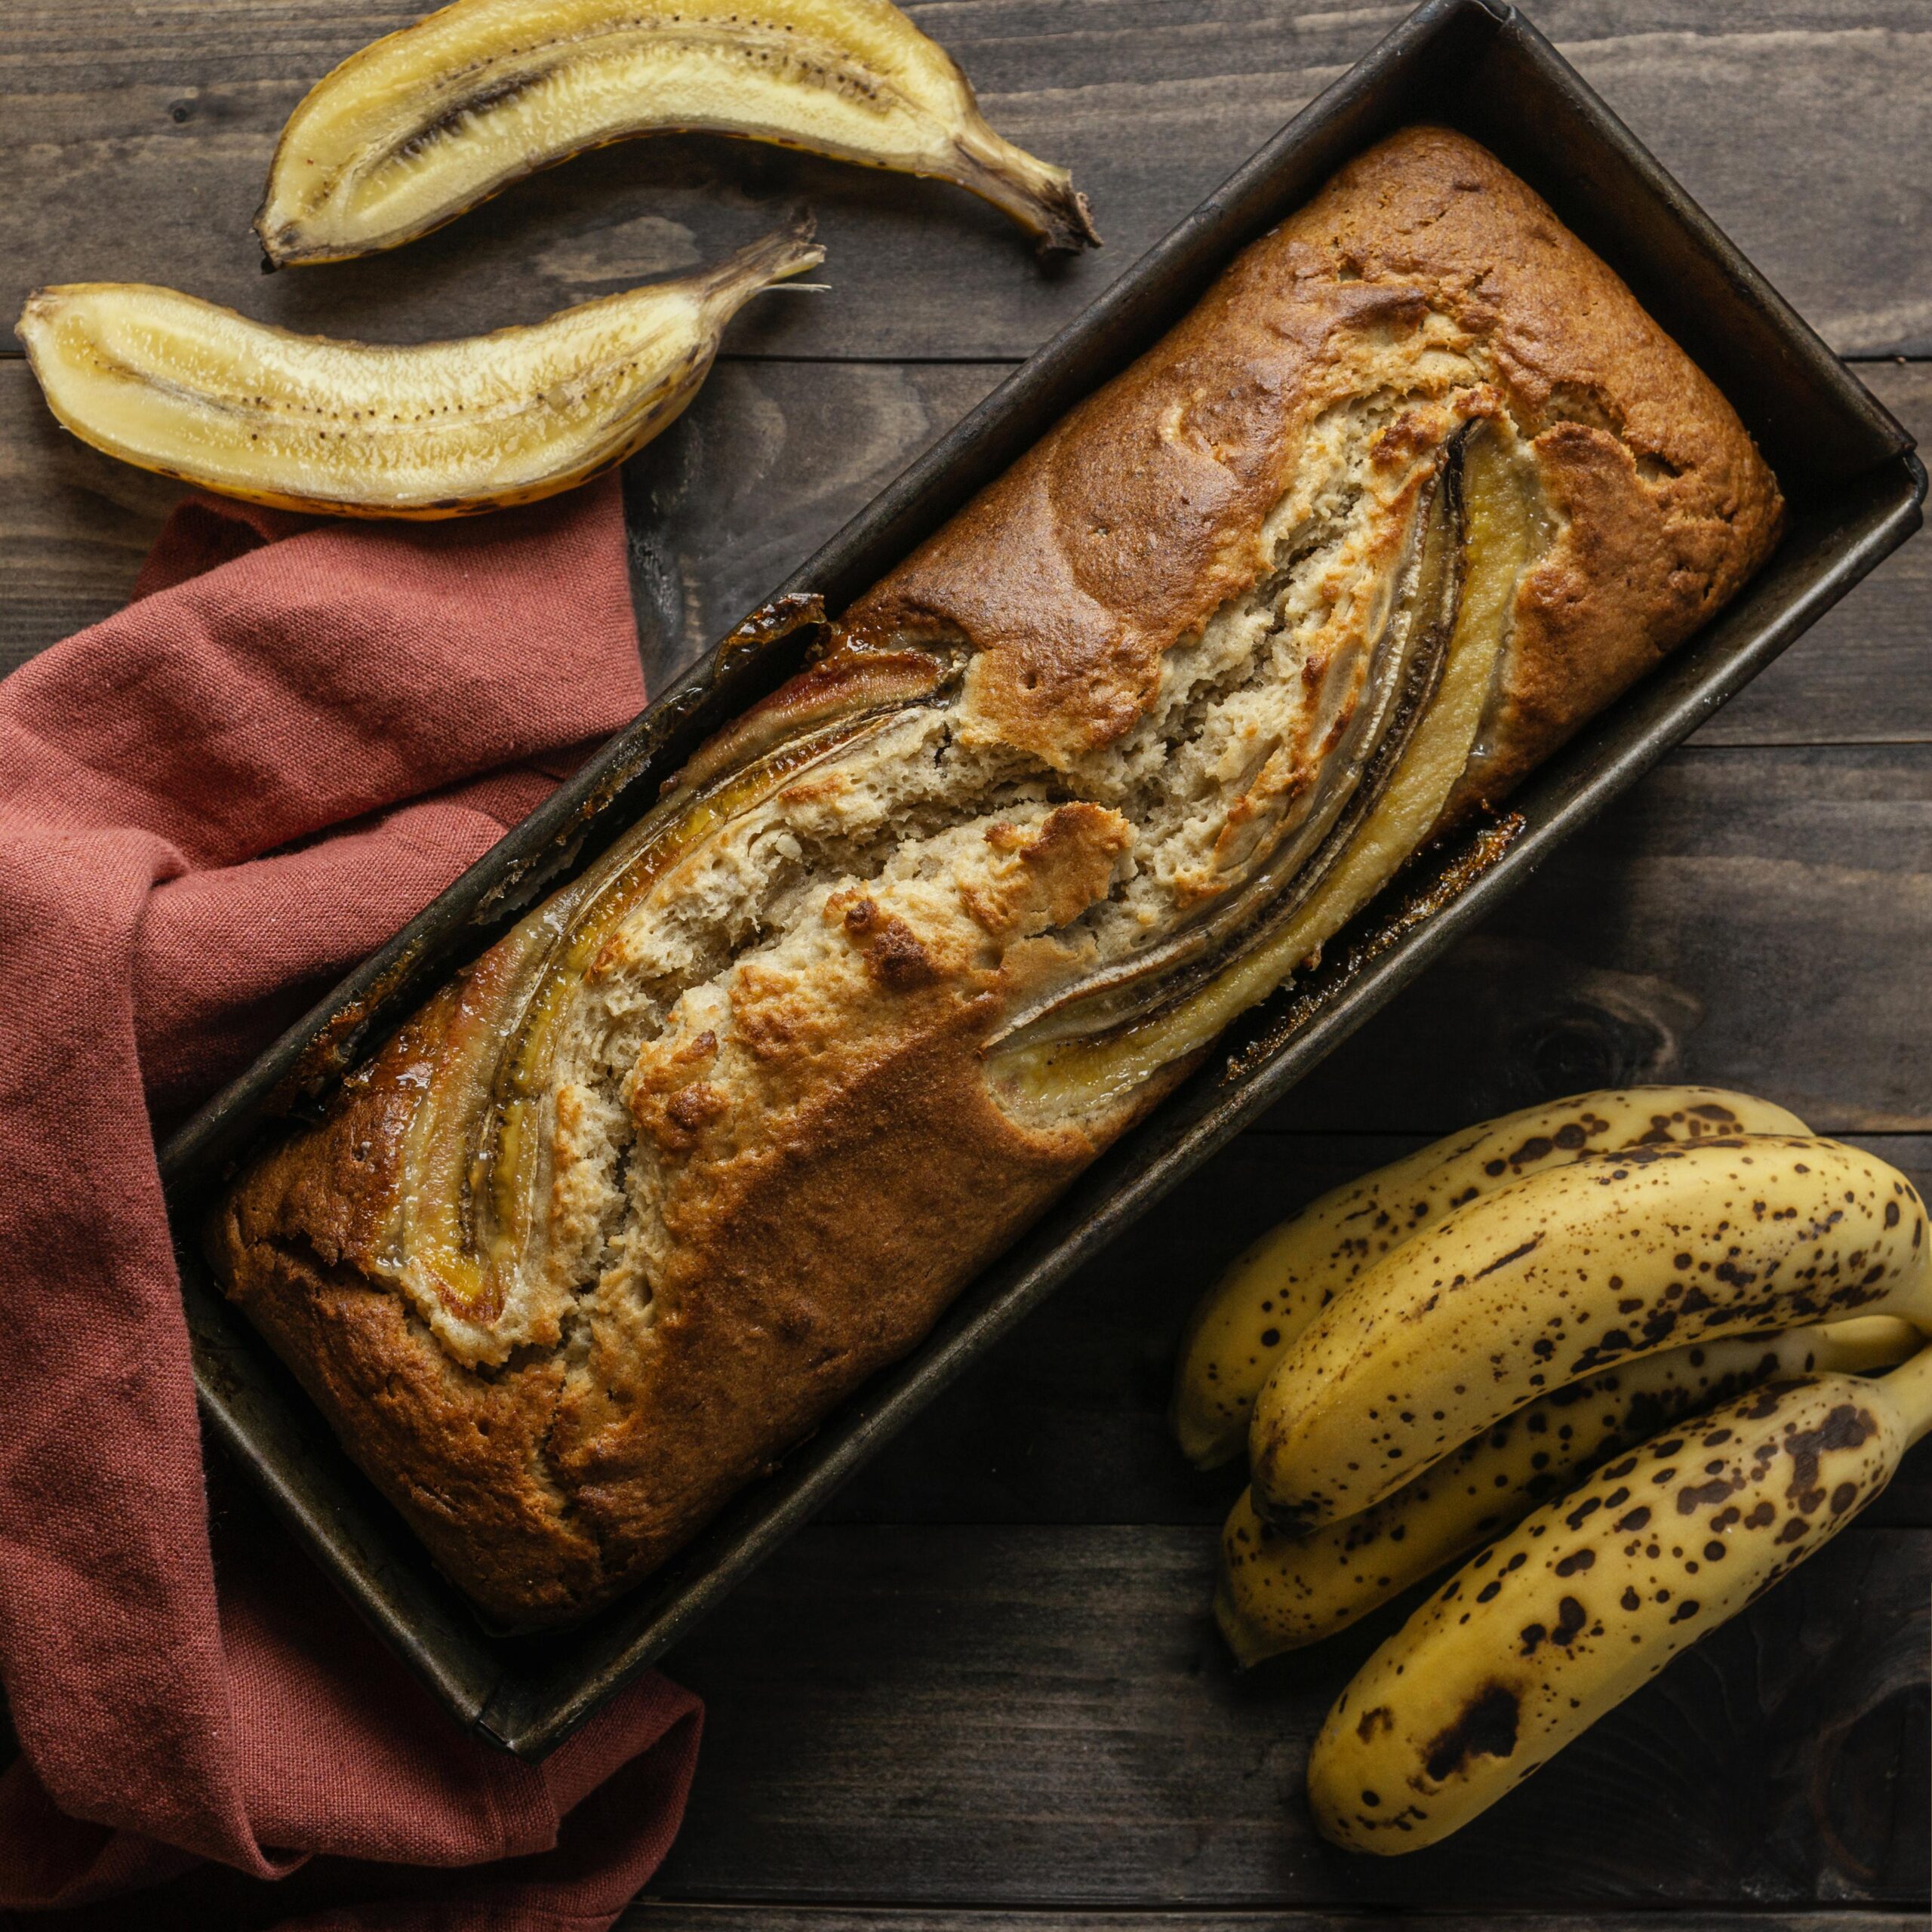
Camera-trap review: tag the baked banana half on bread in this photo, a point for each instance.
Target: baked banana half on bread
(720, 1128)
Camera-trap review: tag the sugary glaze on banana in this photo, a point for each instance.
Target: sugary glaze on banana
(1555, 1624)
(1415, 489)
(1279, 1592)
(171, 383)
(425, 123)
(1258, 1309)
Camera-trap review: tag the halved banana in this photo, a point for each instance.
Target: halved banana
(169, 383)
(424, 124)
(1501, 535)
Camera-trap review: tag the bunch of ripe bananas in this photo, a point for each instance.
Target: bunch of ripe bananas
(1621, 1344)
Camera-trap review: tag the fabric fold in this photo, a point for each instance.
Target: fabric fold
(211, 805)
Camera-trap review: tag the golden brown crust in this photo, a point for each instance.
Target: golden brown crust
(821, 1214)
(1136, 518)
(823, 1198)
(801, 1266)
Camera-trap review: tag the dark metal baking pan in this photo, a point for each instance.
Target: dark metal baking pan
(1854, 489)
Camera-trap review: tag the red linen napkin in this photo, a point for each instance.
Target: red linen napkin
(210, 805)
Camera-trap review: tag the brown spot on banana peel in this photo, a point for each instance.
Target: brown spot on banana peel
(1576, 1650)
(1486, 1728)
(1279, 1593)
(1285, 1278)
(1328, 1437)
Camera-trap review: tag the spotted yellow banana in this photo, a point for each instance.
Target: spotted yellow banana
(1277, 1592)
(169, 383)
(1259, 1308)
(1545, 1631)
(1567, 1271)
(423, 124)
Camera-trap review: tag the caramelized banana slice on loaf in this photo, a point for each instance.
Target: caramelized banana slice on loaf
(1498, 532)
(409, 133)
(172, 383)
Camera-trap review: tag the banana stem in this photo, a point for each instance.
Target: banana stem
(760, 264)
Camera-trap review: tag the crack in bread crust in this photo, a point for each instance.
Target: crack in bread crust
(770, 1153)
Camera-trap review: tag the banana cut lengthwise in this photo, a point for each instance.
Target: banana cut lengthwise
(1567, 1272)
(1279, 1593)
(1491, 513)
(1544, 1631)
(171, 383)
(424, 124)
(1258, 1309)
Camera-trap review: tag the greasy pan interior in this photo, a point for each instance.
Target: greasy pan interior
(1854, 491)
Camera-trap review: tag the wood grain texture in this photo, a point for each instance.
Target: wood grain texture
(771, 460)
(136, 143)
(773, 457)
(1013, 1716)
(1757, 918)
(74, 524)
(1065, 1420)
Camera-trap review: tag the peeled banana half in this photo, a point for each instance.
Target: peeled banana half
(1547, 1629)
(424, 124)
(168, 382)
(1258, 1309)
(1569, 1271)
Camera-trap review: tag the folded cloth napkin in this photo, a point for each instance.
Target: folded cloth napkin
(210, 805)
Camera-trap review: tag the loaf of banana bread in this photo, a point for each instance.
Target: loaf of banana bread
(719, 1129)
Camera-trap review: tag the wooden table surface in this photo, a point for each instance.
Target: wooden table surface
(984, 1691)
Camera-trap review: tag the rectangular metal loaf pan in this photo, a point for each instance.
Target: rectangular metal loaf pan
(1854, 489)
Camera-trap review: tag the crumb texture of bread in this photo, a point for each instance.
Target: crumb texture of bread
(626, 1209)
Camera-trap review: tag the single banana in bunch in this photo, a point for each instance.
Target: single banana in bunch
(1590, 1597)
(1578, 1268)
(1279, 1592)
(1421, 1357)
(1255, 1313)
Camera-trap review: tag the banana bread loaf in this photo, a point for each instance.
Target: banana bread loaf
(720, 1128)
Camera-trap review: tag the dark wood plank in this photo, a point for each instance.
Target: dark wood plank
(1036, 1716)
(1065, 1420)
(774, 457)
(1862, 674)
(652, 1914)
(136, 142)
(771, 460)
(74, 524)
(1758, 918)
